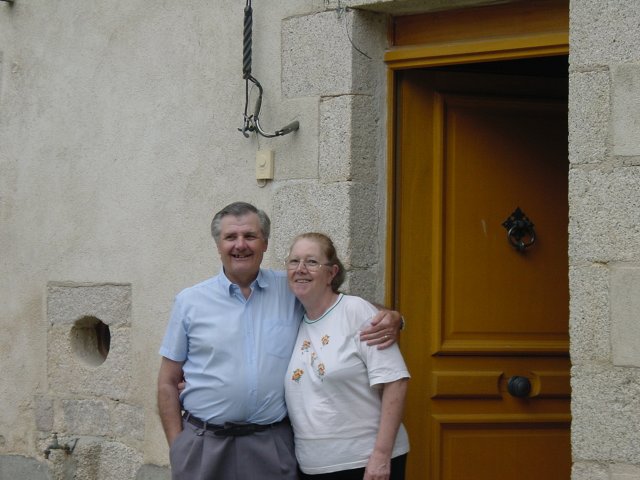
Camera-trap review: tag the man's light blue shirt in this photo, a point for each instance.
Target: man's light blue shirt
(235, 350)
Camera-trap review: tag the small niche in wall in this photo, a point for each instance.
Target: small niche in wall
(91, 340)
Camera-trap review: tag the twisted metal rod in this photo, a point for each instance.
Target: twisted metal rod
(252, 122)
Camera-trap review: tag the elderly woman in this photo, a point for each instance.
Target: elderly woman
(345, 399)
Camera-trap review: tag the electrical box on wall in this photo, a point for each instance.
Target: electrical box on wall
(264, 164)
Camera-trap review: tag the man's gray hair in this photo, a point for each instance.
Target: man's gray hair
(238, 209)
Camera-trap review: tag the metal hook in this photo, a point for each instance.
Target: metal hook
(252, 122)
(520, 228)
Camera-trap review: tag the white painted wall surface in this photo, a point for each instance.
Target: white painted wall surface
(118, 141)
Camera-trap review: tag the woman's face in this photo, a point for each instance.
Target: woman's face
(307, 271)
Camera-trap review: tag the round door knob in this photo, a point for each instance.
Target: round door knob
(519, 386)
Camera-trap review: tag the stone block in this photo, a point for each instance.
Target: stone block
(14, 467)
(625, 114)
(363, 283)
(368, 41)
(347, 148)
(68, 302)
(77, 362)
(43, 411)
(625, 315)
(589, 113)
(604, 218)
(316, 56)
(364, 226)
(603, 32)
(345, 211)
(296, 153)
(118, 462)
(86, 417)
(103, 460)
(69, 373)
(334, 148)
(310, 206)
(624, 472)
(331, 53)
(605, 406)
(589, 471)
(127, 422)
(589, 324)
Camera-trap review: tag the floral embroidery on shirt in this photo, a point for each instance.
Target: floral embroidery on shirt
(306, 348)
(297, 373)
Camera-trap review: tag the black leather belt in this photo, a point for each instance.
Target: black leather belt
(229, 429)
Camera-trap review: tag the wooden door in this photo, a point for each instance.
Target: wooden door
(474, 144)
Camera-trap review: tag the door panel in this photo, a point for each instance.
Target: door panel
(471, 149)
(502, 153)
(529, 448)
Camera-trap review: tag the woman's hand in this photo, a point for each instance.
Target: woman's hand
(384, 329)
(378, 467)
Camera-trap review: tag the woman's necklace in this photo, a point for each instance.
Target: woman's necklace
(306, 319)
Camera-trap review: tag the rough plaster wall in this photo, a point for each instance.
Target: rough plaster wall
(118, 140)
(604, 127)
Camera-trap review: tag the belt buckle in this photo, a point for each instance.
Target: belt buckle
(231, 429)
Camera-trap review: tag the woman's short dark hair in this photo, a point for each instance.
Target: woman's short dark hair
(238, 209)
(329, 250)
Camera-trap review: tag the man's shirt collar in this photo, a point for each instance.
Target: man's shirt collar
(261, 281)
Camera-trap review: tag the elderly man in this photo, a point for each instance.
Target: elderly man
(231, 337)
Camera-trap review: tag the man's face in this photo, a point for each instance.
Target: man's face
(241, 247)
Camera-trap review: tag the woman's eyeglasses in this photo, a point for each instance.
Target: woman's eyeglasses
(310, 265)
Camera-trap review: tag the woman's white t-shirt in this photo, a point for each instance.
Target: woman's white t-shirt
(333, 389)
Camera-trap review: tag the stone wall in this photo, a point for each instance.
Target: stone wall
(604, 143)
(343, 197)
